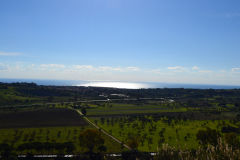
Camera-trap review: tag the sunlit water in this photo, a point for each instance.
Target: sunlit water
(132, 85)
(112, 84)
(126, 85)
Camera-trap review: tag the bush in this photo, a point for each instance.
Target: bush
(92, 140)
(208, 136)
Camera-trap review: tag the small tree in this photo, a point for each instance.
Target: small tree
(91, 140)
(208, 136)
(133, 142)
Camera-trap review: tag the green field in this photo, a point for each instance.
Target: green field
(16, 137)
(52, 125)
(128, 108)
(46, 116)
(152, 133)
(59, 124)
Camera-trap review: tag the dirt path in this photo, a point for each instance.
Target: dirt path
(103, 131)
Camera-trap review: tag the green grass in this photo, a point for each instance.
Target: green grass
(178, 134)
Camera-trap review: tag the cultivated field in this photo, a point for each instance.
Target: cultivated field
(152, 133)
(56, 126)
(124, 108)
(41, 118)
(20, 136)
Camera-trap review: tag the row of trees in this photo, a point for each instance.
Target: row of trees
(91, 141)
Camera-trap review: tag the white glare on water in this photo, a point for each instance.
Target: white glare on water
(126, 85)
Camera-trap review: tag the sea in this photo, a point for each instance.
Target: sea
(118, 84)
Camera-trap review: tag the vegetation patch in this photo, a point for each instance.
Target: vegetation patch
(151, 133)
(52, 140)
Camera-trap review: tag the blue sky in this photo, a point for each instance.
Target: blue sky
(187, 41)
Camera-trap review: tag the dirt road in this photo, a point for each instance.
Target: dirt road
(103, 131)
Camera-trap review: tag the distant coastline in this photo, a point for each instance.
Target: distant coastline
(116, 84)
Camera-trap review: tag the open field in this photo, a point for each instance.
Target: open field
(41, 118)
(49, 125)
(154, 123)
(152, 133)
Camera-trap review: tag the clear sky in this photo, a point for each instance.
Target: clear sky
(183, 41)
